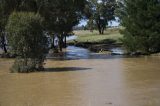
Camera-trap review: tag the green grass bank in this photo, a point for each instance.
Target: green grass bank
(94, 37)
(96, 42)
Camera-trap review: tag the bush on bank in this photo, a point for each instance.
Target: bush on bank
(141, 19)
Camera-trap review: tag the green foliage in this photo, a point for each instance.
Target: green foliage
(68, 12)
(130, 43)
(141, 19)
(61, 15)
(25, 36)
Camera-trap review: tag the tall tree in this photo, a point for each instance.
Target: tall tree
(62, 15)
(102, 11)
(141, 19)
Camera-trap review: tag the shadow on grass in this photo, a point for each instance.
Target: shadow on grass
(108, 41)
(105, 41)
(65, 69)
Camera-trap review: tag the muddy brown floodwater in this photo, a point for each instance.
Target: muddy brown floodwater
(84, 82)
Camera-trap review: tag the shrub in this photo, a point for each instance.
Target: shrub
(26, 38)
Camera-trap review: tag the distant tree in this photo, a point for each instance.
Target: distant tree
(141, 19)
(101, 11)
(25, 36)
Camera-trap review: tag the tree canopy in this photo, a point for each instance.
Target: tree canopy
(59, 15)
(63, 11)
(141, 19)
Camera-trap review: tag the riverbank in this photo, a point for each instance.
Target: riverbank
(98, 43)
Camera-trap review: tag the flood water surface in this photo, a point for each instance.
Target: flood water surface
(91, 81)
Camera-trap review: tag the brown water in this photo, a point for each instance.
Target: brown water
(84, 82)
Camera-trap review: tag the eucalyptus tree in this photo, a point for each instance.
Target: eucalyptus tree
(101, 12)
(62, 15)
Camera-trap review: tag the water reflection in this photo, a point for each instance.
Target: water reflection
(77, 53)
(73, 53)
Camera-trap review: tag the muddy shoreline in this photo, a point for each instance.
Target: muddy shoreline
(97, 47)
(105, 48)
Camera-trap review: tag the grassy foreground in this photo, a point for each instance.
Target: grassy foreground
(94, 37)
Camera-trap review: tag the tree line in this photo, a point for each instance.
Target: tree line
(25, 23)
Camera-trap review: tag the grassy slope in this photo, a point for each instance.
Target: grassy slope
(87, 36)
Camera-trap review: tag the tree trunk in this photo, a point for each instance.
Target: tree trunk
(99, 27)
(52, 45)
(61, 42)
(5, 49)
(102, 30)
(3, 43)
(99, 30)
(65, 40)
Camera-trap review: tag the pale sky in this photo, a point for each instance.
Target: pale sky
(111, 23)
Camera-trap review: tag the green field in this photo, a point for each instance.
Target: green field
(94, 37)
